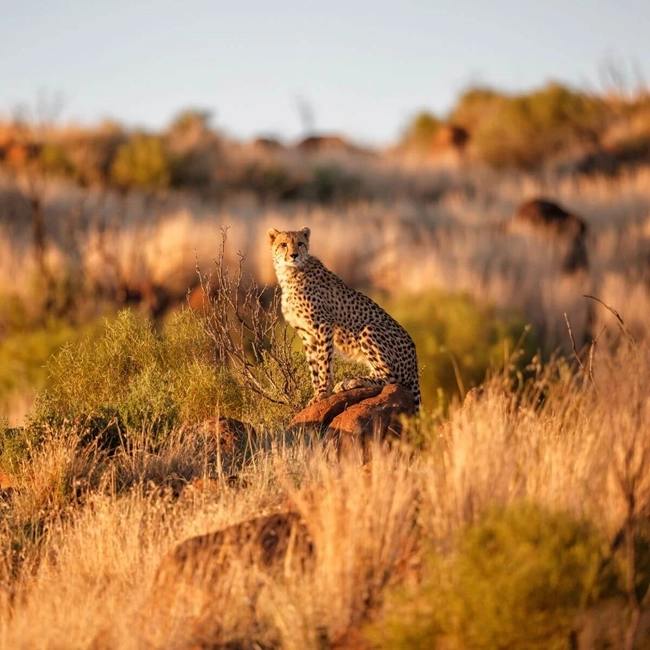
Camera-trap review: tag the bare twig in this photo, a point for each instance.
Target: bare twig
(591, 355)
(250, 339)
(619, 321)
(573, 343)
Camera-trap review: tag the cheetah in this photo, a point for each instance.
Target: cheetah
(328, 314)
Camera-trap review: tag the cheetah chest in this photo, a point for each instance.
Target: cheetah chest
(299, 311)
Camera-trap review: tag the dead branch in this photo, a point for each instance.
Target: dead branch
(250, 339)
(619, 321)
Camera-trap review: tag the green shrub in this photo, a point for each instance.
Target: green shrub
(458, 340)
(92, 153)
(55, 160)
(422, 131)
(142, 162)
(524, 130)
(133, 384)
(516, 580)
(24, 355)
(15, 446)
(330, 182)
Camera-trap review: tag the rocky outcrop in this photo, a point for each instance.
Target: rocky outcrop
(232, 563)
(264, 542)
(352, 419)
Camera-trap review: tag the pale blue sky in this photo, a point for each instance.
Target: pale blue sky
(364, 67)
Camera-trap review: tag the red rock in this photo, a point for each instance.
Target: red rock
(350, 420)
(320, 414)
(223, 435)
(376, 418)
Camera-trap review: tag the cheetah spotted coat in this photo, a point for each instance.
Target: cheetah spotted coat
(328, 314)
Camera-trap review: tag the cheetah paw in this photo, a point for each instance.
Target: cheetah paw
(349, 384)
(316, 398)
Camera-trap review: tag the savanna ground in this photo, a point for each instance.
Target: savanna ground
(519, 520)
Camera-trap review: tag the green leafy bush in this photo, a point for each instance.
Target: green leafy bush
(15, 446)
(132, 383)
(458, 341)
(422, 131)
(24, 355)
(330, 182)
(523, 130)
(142, 162)
(515, 580)
(55, 160)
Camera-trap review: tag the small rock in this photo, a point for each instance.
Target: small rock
(7, 481)
(375, 418)
(351, 419)
(264, 541)
(319, 415)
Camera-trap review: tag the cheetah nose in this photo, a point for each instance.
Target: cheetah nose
(294, 256)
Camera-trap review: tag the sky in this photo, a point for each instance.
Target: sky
(361, 68)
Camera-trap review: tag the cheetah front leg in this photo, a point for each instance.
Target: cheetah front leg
(318, 350)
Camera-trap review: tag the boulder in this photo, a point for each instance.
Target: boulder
(352, 419)
(262, 541)
(319, 415)
(197, 575)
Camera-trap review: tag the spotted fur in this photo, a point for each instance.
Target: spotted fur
(328, 314)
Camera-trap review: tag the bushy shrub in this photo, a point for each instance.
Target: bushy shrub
(132, 383)
(422, 131)
(92, 154)
(15, 445)
(330, 182)
(24, 355)
(458, 341)
(142, 162)
(55, 160)
(523, 130)
(516, 580)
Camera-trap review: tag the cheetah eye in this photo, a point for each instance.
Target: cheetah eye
(302, 243)
(283, 245)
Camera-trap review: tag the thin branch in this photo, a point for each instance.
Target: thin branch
(621, 323)
(573, 344)
(251, 340)
(591, 355)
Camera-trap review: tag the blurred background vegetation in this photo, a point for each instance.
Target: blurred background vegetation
(129, 260)
(98, 219)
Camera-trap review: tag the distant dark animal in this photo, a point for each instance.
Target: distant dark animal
(559, 226)
(451, 136)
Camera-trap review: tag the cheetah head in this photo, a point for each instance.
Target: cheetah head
(289, 248)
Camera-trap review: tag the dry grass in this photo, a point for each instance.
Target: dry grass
(461, 242)
(80, 555)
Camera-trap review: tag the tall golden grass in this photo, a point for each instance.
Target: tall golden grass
(84, 533)
(461, 241)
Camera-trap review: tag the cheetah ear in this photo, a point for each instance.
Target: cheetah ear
(306, 232)
(272, 234)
